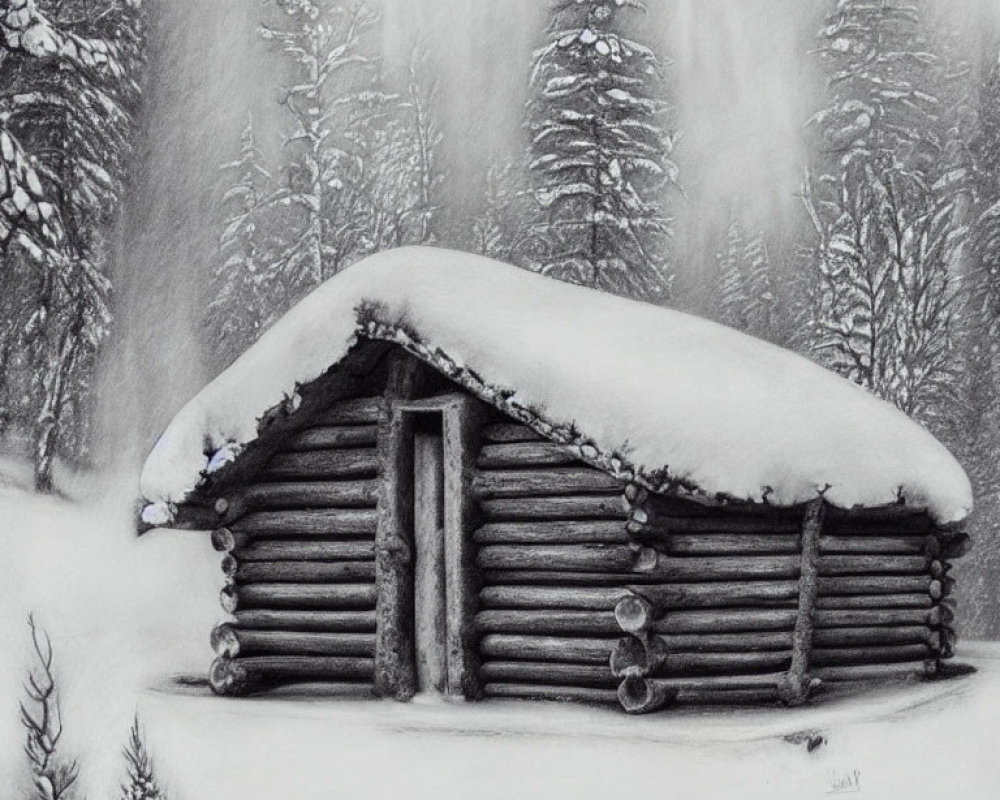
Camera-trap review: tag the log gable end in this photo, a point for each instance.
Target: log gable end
(554, 578)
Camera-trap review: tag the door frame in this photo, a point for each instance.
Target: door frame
(395, 651)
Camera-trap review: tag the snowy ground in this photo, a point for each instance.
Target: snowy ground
(125, 614)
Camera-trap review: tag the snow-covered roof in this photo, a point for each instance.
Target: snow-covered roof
(648, 392)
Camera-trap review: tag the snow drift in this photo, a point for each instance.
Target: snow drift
(719, 412)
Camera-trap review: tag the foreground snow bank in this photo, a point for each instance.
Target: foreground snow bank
(663, 391)
(915, 741)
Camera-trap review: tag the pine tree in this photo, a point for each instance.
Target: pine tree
(729, 295)
(884, 208)
(323, 44)
(600, 159)
(69, 102)
(500, 229)
(246, 295)
(975, 432)
(141, 783)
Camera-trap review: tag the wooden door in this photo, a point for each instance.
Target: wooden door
(425, 639)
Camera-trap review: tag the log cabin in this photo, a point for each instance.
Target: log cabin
(443, 474)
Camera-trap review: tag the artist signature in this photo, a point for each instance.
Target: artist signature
(845, 782)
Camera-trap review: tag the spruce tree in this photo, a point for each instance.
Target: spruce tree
(70, 91)
(883, 199)
(600, 159)
(246, 294)
(323, 45)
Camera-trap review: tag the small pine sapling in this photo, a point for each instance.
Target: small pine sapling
(40, 715)
(141, 781)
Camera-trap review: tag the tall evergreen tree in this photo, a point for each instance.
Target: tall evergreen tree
(323, 45)
(744, 295)
(883, 203)
(599, 156)
(246, 294)
(68, 97)
(500, 228)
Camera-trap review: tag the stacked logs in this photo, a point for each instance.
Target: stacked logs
(552, 550)
(299, 561)
(849, 597)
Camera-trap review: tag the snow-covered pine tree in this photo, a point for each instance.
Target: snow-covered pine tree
(246, 292)
(501, 227)
(883, 203)
(744, 295)
(599, 156)
(419, 106)
(729, 294)
(140, 783)
(323, 44)
(975, 433)
(69, 102)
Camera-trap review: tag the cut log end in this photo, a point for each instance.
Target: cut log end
(224, 641)
(639, 696)
(628, 659)
(223, 540)
(634, 614)
(228, 678)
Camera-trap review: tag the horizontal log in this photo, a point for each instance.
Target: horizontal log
(334, 437)
(228, 640)
(888, 654)
(862, 618)
(879, 545)
(546, 648)
(578, 507)
(317, 464)
(325, 621)
(721, 544)
(655, 657)
(547, 673)
(558, 597)
(706, 595)
(875, 601)
(666, 505)
(503, 432)
(915, 670)
(304, 571)
(525, 454)
(623, 558)
(242, 675)
(306, 596)
(297, 551)
(569, 558)
(636, 614)
(876, 584)
(742, 642)
(547, 622)
(540, 482)
(877, 565)
(330, 522)
(664, 526)
(645, 695)
(652, 564)
(311, 494)
(360, 411)
(578, 694)
(874, 636)
(728, 697)
(559, 532)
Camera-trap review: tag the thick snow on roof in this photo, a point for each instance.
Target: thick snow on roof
(719, 410)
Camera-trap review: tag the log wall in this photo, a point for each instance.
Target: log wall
(300, 561)
(551, 551)
(597, 591)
